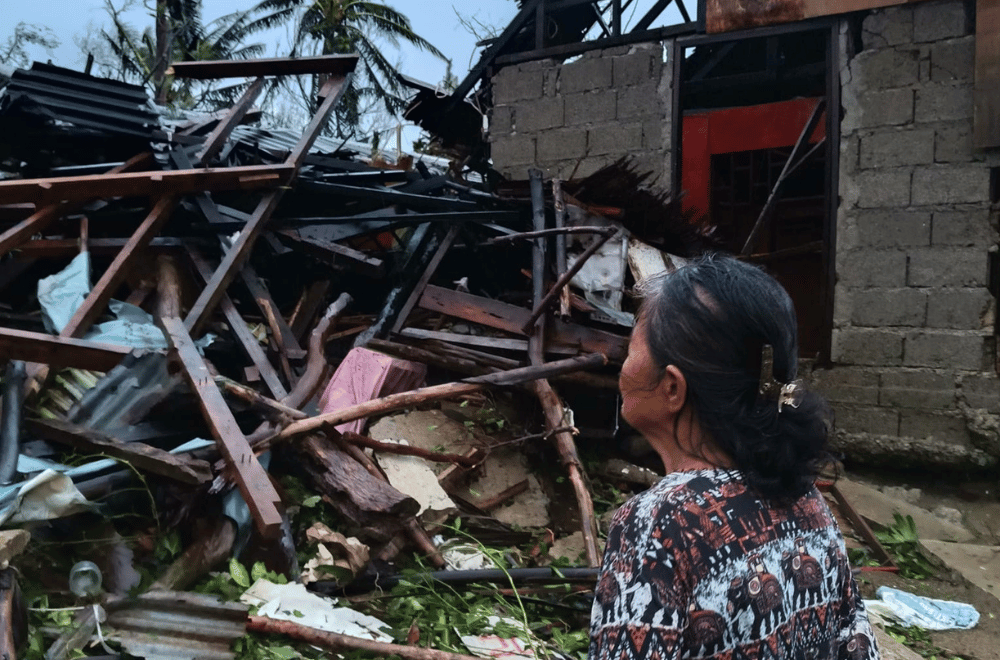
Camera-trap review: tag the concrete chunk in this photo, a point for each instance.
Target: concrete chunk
(878, 507)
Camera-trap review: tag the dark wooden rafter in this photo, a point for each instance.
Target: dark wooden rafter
(569, 50)
(333, 253)
(240, 251)
(218, 137)
(251, 478)
(334, 65)
(53, 248)
(46, 215)
(425, 278)
(270, 309)
(42, 348)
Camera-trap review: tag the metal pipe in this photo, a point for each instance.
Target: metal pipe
(10, 433)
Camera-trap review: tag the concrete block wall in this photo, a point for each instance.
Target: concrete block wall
(579, 116)
(913, 342)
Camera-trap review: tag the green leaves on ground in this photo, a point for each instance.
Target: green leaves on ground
(901, 540)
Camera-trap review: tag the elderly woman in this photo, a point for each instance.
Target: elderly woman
(734, 554)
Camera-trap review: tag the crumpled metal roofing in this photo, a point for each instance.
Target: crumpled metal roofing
(79, 99)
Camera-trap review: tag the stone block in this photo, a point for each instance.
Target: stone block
(886, 69)
(917, 389)
(867, 347)
(953, 143)
(614, 139)
(847, 385)
(562, 145)
(942, 103)
(585, 75)
(640, 101)
(944, 350)
(882, 188)
(540, 115)
(895, 147)
(550, 81)
(871, 268)
(960, 309)
(887, 27)
(865, 419)
(934, 21)
(636, 68)
(588, 108)
(512, 151)
(943, 426)
(584, 168)
(871, 108)
(883, 228)
(512, 85)
(502, 120)
(652, 134)
(962, 228)
(982, 391)
(947, 267)
(951, 184)
(953, 60)
(878, 308)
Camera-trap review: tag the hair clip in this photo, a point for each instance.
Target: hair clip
(786, 394)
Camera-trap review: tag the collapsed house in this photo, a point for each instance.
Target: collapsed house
(849, 148)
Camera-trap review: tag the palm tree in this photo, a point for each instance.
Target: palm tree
(348, 26)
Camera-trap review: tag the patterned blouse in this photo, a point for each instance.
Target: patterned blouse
(699, 567)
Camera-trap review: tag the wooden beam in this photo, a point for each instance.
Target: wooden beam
(238, 254)
(239, 327)
(332, 253)
(986, 95)
(97, 300)
(425, 277)
(142, 456)
(43, 217)
(218, 137)
(55, 248)
(251, 478)
(495, 314)
(338, 65)
(138, 184)
(270, 310)
(42, 348)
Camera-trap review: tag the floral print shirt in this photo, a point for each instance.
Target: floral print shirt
(700, 567)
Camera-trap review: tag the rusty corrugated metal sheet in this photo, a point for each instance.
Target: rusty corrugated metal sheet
(176, 625)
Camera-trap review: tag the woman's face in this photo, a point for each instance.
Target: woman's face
(642, 400)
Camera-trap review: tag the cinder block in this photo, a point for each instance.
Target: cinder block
(962, 228)
(867, 347)
(873, 108)
(882, 228)
(512, 84)
(614, 139)
(887, 27)
(951, 184)
(652, 134)
(934, 21)
(886, 69)
(584, 168)
(947, 267)
(512, 151)
(943, 103)
(847, 385)
(636, 68)
(878, 308)
(917, 389)
(953, 60)
(895, 147)
(590, 108)
(982, 391)
(865, 419)
(585, 75)
(639, 101)
(562, 145)
(943, 426)
(960, 309)
(502, 120)
(871, 268)
(882, 188)
(953, 143)
(540, 115)
(944, 350)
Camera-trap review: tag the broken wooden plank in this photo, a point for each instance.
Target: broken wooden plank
(253, 481)
(219, 135)
(215, 288)
(307, 307)
(140, 455)
(986, 93)
(275, 66)
(45, 216)
(59, 352)
(495, 314)
(425, 277)
(58, 248)
(316, 366)
(138, 184)
(267, 406)
(265, 302)
(244, 337)
(332, 253)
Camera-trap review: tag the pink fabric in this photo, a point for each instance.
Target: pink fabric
(365, 375)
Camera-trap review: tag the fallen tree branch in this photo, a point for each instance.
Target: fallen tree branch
(407, 450)
(311, 379)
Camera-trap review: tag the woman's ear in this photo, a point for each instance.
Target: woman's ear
(673, 389)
